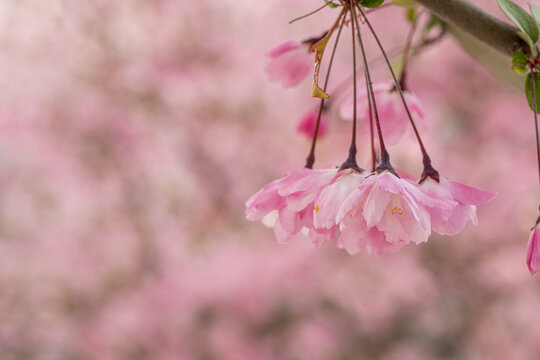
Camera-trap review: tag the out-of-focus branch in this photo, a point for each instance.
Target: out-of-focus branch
(481, 25)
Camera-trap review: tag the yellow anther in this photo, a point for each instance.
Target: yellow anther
(317, 208)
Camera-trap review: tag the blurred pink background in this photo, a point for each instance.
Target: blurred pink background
(131, 134)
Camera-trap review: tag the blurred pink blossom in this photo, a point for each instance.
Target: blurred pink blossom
(110, 206)
(308, 122)
(290, 62)
(392, 114)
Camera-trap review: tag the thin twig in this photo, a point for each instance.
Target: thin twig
(309, 14)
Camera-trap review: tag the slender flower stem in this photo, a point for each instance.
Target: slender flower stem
(342, 86)
(372, 142)
(375, 61)
(353, 137)
(407, 50)
(385, 157)
(533, 93)
(351, 159)
(429, 171)
(311, 157)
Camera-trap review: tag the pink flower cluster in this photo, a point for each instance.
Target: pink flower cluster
(377, 211)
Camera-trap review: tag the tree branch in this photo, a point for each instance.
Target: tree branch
(483, 26)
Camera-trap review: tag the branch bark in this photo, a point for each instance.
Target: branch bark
(483, 26)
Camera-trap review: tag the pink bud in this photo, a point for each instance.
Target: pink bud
(533, 252)
(308, 122)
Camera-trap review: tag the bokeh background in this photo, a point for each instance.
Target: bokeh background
(131, 134)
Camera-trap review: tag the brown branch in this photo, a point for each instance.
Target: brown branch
(483, 26)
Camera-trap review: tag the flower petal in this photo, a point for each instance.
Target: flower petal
(376, 202)
(469, 195)
(332, 196)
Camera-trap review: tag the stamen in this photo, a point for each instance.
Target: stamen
(396, 209)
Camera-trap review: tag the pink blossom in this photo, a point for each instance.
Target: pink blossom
(466, 197)
(385, 213)
(286, 204)
(330, 198)
(264, 201)
(290, 62)
(308, 122)
(392, 114)
(533, 251)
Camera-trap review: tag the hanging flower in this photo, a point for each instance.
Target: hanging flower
(290, 63)
(533, 251)
(330, 199)
(466, 197)
(387, 205)
(308, 123)
(392, 114)
(287, 205)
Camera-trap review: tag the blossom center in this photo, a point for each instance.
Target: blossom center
(395, 204)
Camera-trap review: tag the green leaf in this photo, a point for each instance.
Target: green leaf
(411, 15)
(433, 21)
(371, 3)
(519, 58)
(535, 11)
(331, 4)
(519, 69)
(526, 38)
(405, 3)
(528, 91)
(521, 18)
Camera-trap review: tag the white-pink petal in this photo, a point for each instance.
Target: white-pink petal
(375, 205)
(469, 195)
(264, 201)
(331, 197)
